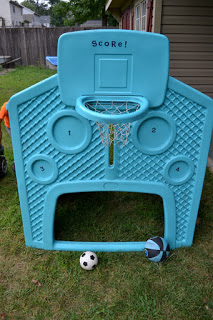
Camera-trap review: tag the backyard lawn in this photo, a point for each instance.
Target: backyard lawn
(37, 284)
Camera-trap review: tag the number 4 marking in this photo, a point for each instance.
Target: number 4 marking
(178, 169)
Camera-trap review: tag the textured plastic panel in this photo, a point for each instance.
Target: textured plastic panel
(58, 151)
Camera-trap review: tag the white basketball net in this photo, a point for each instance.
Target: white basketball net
(113, 133)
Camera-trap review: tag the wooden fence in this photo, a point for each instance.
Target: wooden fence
(32, 44)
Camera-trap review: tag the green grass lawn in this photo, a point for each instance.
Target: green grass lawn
(37, 284)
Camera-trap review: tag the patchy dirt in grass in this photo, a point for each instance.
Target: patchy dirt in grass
(6, 71)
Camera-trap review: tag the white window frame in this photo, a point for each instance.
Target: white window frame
(137, 17)
(140, 16)
(143, 16)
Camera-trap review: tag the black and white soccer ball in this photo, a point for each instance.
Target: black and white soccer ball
(88, 260)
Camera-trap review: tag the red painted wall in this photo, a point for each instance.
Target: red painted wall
(126, 16)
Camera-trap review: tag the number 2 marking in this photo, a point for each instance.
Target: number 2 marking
(153, 130)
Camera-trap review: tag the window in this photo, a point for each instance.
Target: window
(143, 16)
(140, 16)
(137, 18)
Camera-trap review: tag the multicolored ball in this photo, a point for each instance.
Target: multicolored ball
(157, 249)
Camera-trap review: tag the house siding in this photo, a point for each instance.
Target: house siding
(10, 13)
(5, 13)
(17, 16)
(188, 24)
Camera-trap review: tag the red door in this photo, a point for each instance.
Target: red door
(126, 19)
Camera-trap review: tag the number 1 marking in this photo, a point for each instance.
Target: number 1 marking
(69, 132)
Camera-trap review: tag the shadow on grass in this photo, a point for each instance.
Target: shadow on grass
(108, 216)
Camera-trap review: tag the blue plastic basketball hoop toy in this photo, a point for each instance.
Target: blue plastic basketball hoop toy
(112, 87)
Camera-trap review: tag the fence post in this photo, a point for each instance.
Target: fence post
(24, 47)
